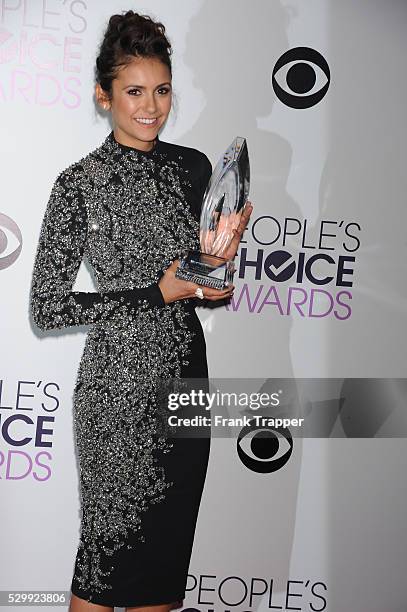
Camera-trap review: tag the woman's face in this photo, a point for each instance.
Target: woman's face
(141, 101)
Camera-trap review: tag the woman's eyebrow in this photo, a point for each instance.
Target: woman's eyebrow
(143, 87)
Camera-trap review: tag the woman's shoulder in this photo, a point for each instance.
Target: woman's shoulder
(195, 162)
(70, 177)
(82, 169)
(182, 153)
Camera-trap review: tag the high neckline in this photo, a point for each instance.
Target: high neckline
(127, 148)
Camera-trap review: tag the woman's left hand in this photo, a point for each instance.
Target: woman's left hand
(231, 250)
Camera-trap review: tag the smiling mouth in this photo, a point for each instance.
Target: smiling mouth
(146, 121)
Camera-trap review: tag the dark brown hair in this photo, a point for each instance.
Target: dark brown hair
(127, 36)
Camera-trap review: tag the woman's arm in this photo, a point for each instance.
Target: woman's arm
(204, 175)
(60, 249)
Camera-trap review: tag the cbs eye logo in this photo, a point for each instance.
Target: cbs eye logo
(11, 241)
(264, 449)
(306, 74)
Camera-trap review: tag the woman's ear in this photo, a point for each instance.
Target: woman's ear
(102, 97)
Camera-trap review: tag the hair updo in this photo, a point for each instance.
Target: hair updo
(127, 36)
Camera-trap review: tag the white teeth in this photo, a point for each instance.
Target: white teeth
(146, 120)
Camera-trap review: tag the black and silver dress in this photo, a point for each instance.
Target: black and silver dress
(130, 212)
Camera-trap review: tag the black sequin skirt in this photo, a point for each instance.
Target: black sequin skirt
(153, 570)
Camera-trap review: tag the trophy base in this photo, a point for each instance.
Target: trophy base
(205, 269)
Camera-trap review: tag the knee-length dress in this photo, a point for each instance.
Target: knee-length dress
(130, 212)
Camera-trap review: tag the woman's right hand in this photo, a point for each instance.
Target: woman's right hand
(174, 288)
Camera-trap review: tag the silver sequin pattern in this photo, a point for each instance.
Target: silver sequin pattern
(127, 213)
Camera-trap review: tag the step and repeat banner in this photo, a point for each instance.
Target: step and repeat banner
(311, 523)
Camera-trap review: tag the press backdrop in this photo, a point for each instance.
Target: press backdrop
(318, 90)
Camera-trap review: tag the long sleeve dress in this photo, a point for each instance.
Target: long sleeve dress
(130, 212)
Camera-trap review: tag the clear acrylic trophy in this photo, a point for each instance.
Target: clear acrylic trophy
(222, 206)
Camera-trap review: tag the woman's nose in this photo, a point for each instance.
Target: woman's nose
(150, 103)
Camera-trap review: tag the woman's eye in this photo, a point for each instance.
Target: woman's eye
(162, 91)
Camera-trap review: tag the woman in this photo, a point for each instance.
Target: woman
(130, 206)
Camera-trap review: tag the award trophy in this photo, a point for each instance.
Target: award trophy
(223, 202)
